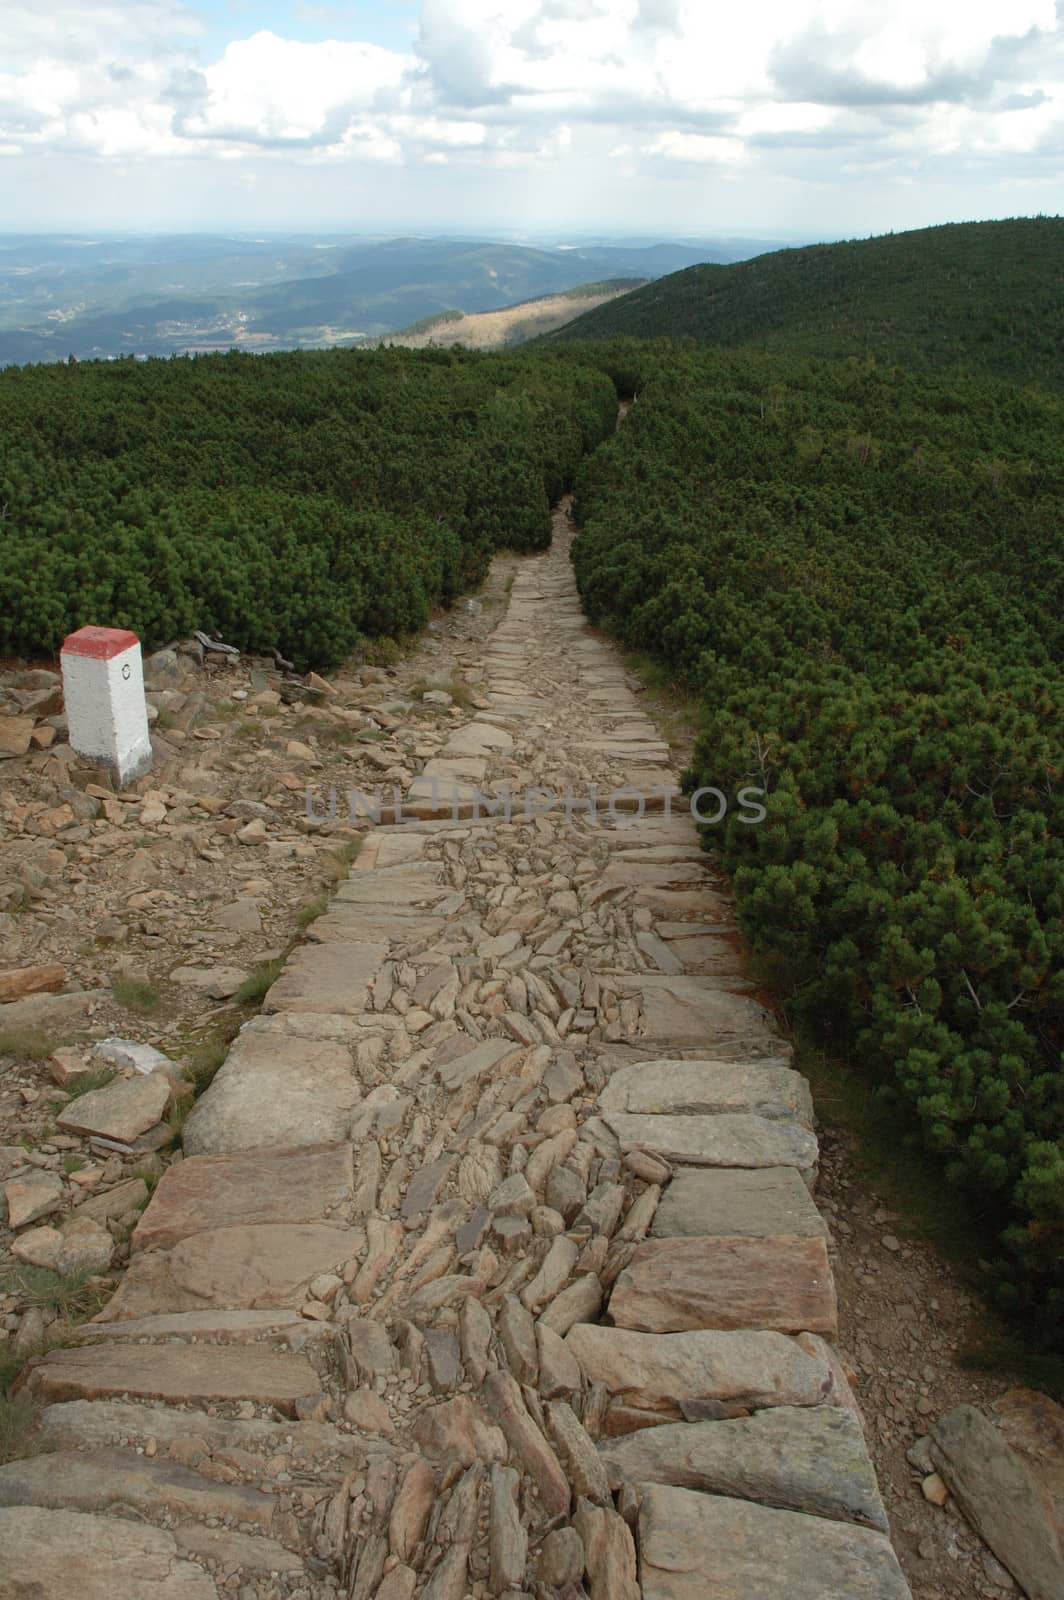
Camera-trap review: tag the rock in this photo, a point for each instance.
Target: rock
(17, 983)
(122, 1111)
(709, 1087)
(552, 1276)
(609, 1553)
(194, 1374)
(934, 1490)
(512, 1198)
(517, 1334)
(580, 1302)
(737, 1202)
(728, 1140)
(448, 1580)
(114, 1559)
(650, 1168)
(98, 1480)
(232, 1550)
(253, 832)
(692, 1545)
(240, 916)
(782, 1283)
(120, 1201)
(275, 1092)
(507, 1539)
(561, 1558)
(398, 1584)
(50, 1012)
(33, 1196)
(366, 1411)
(474, 1326)
(332, 978)
(251, 1268)
(87, 1247)
(246, 1188)
(373, 1352)
(1005, 1473)
(587, 1471)
(809, 1458)
(410, 1510)
(456, 1430)
(425, 1186)
(503, 1399)
(747, 1370)
(129, 1055)
(559, 1371)
(444, 1366)
(38, 1247)
(218, 983)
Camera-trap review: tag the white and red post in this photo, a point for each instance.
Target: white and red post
(103, 686)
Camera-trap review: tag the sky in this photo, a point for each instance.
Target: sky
(529, 118)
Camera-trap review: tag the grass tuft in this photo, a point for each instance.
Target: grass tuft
(135, 994)
(86, 1082)
(17, 1420)
(27, 1044)
(312, 911)
(254, 987)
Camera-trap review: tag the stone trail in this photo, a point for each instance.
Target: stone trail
(492, 1266)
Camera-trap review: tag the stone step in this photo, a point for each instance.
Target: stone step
(769, 1089)
(419, 887)
(797, 1458)
(225, 1327)
(358, 924)
(48, 1555)
(314, 1448)
(331, 978)
(781, 1282)
(95, 1480)
(180, 1374)
(222, 1191)
(737, 1202)
(275, 1091)
(694, 1545)
(661, 1374)
(686, 1011)
(730, 1139)
(255, 1268)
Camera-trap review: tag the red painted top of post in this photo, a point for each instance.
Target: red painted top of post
(99, 643)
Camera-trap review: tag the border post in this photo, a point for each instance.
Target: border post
(103, 686)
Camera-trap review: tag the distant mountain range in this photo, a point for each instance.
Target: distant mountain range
(988, 296)
(161, 294)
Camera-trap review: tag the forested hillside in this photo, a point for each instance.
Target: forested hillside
(299, 501)
(986, 296)
(861, 573)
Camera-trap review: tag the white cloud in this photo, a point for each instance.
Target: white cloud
(786, 89)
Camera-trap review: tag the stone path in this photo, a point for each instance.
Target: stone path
(492, 1267)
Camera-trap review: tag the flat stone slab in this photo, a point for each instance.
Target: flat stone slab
(661, 1372)
(399, 889)
(389, 850)
(180, 1374)
(737, 1202)
(358, 924)
(683, 1011)
(708, 955)
(333, 978)
(231, 1269)
(797, 1458)
(764, 1089)
(220, 1191)
(274, 1092)
(454, 1071)
(95, 1480)
(122, 1111)
(695, 1545)
(80, 1424)
(1006, 1472)
(50, 1554)
(728, 1140)
(782, 1283)
(229, 1327)
(477, 738)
